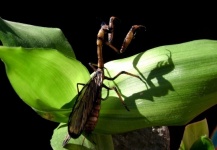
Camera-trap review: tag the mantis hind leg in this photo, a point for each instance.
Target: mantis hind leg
(115, 88)
(123, 72)
(118, 93)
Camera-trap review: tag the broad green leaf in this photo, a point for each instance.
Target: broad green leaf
(44, 79)
(88, 142)
(193, 132)
(179, 84)
(203, 143)
(14, 34)
(37, 59)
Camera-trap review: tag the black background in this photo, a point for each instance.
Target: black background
(23, 127)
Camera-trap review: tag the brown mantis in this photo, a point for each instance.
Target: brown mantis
(85, 112)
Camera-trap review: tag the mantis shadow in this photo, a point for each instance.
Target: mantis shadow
(164, 86)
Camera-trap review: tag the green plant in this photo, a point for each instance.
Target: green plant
(179, 81)
(196, 136)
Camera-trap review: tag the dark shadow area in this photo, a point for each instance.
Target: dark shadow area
(162, 68)
(164, 86)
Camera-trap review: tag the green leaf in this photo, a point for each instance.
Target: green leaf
(203, 143)
(14, 34)
(92, 141)
(44, 79)
(41, 67)
(193, 132)
(179, 84)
